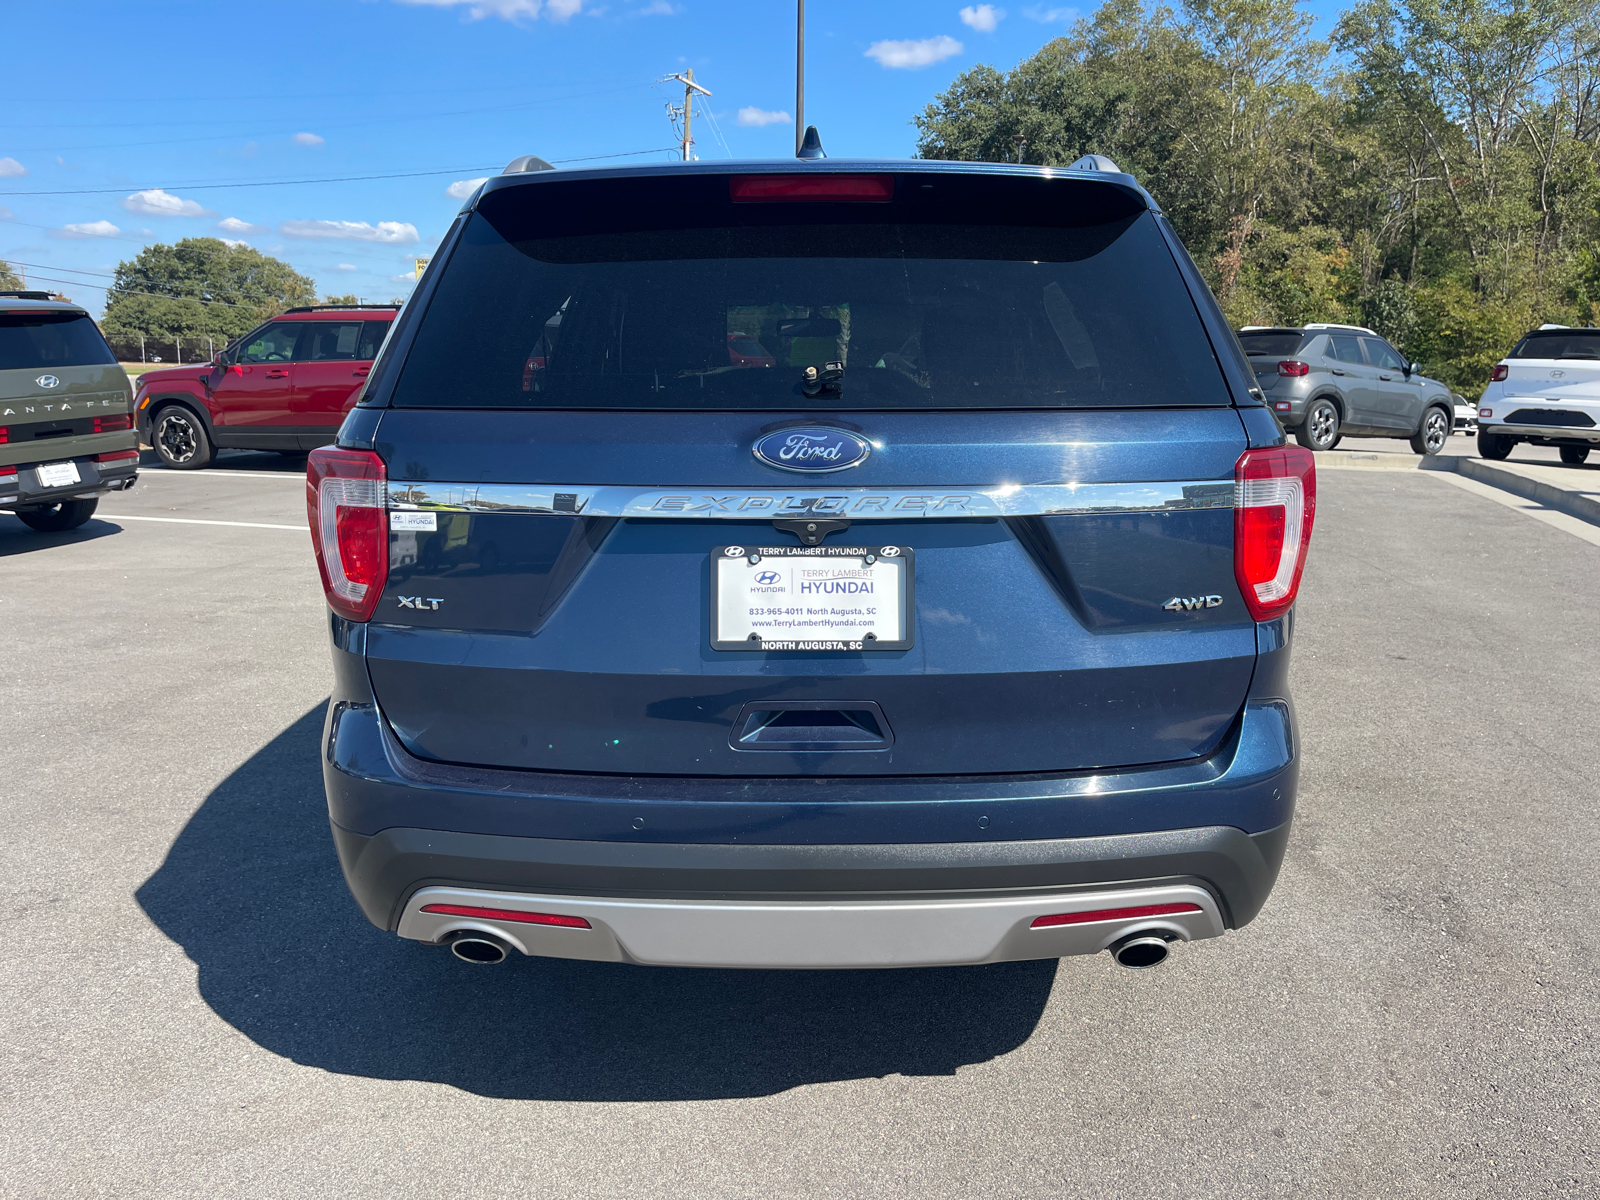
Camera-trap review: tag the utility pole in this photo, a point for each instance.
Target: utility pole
(799, 75)
(690, 87)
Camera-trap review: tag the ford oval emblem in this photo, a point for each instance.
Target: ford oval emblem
(812, 448)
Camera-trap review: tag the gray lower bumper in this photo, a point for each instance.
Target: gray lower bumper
(386, 870)
(1563, 433)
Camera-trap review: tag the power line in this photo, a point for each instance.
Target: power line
(197, 187)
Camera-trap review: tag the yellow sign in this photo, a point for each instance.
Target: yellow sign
(422, 265)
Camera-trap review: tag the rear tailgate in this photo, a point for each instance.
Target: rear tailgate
(1048, 442)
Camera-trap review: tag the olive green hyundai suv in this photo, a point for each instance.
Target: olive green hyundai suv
(66, 414)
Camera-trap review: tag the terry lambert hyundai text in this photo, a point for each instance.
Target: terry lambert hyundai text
(811, 564)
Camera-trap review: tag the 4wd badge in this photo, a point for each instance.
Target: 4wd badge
(1190, 603)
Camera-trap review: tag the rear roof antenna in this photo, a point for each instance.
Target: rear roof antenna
(811, 147)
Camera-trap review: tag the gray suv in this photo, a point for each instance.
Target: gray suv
(66, 414)
(1324, 381)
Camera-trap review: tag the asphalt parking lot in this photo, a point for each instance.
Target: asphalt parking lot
(195, 1007)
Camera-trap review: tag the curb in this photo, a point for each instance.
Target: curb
(1574, 504)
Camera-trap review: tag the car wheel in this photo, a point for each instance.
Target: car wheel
(1433, 434)
(180, 439)
(1574, 454)
(58, 518)
(1494, 446)
(1320, 429)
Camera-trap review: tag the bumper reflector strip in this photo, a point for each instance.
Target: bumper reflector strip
(1113, 914)
(512, 914)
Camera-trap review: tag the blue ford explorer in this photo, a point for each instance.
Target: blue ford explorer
(811, 564)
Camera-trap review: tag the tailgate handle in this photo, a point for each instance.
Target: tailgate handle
(810, 726)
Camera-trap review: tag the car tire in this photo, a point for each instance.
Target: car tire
(1434, 432)
(1494, 446)
(180, 440)
(1320, 429)
(1574, 455)
(58, 518)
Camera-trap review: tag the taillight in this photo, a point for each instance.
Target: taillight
(1500, 372)
(113, 424)
(117, 456)
(757, 189)
(1293, 368)
(346, 507)
(1275, 500)
(7, 471)
(5, 435)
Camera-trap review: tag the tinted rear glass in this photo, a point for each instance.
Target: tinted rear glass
(662, 294)
(1559, 343)
(50, 339)
(1272, 344)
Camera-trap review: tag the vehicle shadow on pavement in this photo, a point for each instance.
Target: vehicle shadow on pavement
(17, 538)
(252, 891)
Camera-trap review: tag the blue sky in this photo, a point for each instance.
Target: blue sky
(143, 108)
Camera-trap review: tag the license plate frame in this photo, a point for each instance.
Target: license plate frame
(891, 571)
(58, 475)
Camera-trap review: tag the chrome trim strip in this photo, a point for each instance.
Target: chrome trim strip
(1008, 500)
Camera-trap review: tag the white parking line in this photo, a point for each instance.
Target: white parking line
(192, 521)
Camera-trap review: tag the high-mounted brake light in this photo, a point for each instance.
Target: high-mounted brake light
(757, 189)
(1275, 501)
(346, 507)
(507, 914)
(1293, 368)
(1500, 372)
(1113, 914)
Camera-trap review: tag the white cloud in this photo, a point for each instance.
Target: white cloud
(1049, 16)
(157, 203)
(311, 139)
(90, 229)
(559, 11)
(234, 242)
(462, 188)
(347, 267)
(6, 214)
(658, 8)
(390, 233)
(10, 168)
(234, 225)
(912, 55)
(983, 18)
(763, 116)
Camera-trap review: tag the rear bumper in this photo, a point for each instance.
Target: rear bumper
(946, 931)
(94, 479)
(1554, 435)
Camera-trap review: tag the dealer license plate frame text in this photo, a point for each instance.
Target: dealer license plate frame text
(843, 570)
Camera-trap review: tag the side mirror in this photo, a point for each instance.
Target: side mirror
(1413, 369)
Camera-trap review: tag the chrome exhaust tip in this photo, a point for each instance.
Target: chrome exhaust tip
(1140, 950)
(481, 948)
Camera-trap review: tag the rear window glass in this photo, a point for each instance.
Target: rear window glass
(1559, 343)
(1272, 344)
(50, 339)
(916, 304)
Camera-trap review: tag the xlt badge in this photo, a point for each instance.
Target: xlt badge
(428, 602)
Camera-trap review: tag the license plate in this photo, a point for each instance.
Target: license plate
(812, 598)
(54, 475)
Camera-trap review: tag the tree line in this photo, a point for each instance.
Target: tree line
(1430, 171)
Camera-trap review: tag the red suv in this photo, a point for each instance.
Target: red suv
(285, 386)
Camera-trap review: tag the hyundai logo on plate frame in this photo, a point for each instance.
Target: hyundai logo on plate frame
(812, 448)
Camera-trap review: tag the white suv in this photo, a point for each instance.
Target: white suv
(1545, 392)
